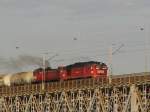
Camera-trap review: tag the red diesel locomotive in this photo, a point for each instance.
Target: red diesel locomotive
(74, 71)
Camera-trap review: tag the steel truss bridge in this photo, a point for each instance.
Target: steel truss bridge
(124, 93)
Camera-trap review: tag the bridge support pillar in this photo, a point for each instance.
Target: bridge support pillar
(134, 105)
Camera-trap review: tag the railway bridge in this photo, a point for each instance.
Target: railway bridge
(122, 93)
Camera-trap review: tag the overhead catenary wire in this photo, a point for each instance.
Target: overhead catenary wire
(96, 48)
(93, 55)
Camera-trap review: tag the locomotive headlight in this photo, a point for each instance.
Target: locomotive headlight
(92, 72)
(63, 74)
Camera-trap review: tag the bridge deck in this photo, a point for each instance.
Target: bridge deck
(75, 84)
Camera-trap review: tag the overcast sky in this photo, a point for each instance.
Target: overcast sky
(77, 30)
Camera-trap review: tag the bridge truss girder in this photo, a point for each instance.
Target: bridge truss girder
(131, 98)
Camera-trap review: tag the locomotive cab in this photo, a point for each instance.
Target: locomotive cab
(98, 70)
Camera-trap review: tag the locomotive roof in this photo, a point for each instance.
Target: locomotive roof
(85, 63)
(79, 64)
(41, 69)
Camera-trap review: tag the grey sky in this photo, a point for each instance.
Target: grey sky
(38, 26)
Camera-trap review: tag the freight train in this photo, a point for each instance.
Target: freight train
(70, 72)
